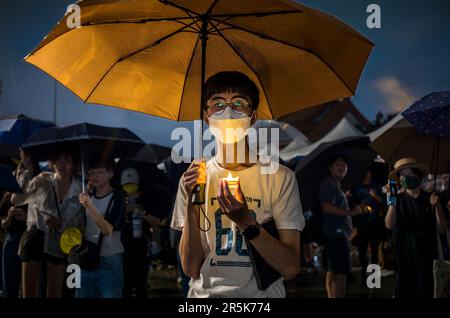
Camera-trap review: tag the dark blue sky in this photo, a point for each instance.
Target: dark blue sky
(411, 59)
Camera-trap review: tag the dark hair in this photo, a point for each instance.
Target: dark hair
(232, 81)
(335, 158)
(64, 150)
(107, 164)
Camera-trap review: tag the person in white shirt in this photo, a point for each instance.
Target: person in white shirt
(217, 260)
(53, 206)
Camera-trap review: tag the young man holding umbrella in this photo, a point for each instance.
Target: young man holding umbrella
(218, 259)
(415, 215)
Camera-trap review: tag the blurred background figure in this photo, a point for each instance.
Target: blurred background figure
(135, 235)
(53, 206)
(337, 227)
(13, 222)
(369, 225)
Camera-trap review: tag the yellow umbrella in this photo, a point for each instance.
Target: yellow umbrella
(152, 56)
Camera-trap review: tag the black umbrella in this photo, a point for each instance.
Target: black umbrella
(8, 182)
(313, 168)
(7, 152)
(93, 142)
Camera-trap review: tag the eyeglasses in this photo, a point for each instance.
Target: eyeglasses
(237, 104)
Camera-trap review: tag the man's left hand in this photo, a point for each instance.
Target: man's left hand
(234, 207)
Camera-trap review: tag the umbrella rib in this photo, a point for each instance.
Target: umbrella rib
(254, 14)
(83, 138)
(140, 21)
(189, 26)
(185, 78)
(212, 7)
(178, 6)
(228, 16)
(267, 37)
(194, 19)
(154, 43)
(248, 65)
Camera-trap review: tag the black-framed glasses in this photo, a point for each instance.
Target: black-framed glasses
(237, 104)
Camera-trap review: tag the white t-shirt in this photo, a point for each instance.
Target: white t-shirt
(227, 269)
(111, 244)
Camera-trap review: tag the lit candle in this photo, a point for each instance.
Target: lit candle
(232, 182)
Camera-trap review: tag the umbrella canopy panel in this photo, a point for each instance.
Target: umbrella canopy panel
(399, 139)
(146, 55)
(431, 114)
(93, 140)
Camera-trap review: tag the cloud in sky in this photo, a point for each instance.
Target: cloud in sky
(395, 95)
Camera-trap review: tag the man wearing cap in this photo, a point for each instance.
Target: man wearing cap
(415, 215)
(135, 235)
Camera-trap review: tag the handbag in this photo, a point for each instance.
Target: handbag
(87, 254)
(264, 273)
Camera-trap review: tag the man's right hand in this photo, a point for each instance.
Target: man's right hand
(196, 173)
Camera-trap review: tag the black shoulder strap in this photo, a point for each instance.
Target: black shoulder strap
(107, 213)
(56, 201)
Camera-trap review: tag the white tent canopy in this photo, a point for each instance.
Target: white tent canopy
(286, 133)
(342, 130)
(397, 122)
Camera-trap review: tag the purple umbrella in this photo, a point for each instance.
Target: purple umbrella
(431, 115)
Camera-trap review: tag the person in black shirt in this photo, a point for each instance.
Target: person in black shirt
(414, 216)
(13, 222)
(370, 224)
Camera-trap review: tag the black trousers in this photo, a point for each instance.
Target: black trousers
(136, 264)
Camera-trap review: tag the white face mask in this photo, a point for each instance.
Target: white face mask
(229, 126)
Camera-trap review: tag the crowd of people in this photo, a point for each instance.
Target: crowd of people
(404, 229)
(245, 241)
(116, 222)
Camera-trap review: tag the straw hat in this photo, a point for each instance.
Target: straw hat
(407, 163)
